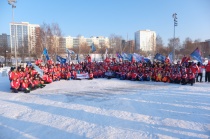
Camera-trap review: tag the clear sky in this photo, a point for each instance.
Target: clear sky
(120, 17)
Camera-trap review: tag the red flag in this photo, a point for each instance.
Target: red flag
(185, 59)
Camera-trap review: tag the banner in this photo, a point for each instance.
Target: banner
(60, 59)
(196, 55)
(40, 71)
(83, 76)
(46, 54)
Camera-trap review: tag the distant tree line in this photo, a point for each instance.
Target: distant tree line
(50, 36)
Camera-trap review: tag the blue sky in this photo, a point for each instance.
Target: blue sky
(120, 17)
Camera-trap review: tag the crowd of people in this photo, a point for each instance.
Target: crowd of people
(27, 78)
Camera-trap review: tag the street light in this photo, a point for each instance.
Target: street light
(175, 24)
(12, 2)
(5, 58)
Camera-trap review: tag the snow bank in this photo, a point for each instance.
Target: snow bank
(102, 108)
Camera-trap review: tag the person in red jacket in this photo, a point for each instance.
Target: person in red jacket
(90, 75)
(207, 76)
(184, 78)
(191, 77)
(89, 59)
(49, 78)
(25, 86)
(13, 74)
(134, 76)
(194, 68)
(200, 72)
(68, 75)
(15, 85)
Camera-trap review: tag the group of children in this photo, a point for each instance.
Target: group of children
(27, 78)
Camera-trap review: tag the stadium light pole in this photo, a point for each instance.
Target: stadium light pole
(175, 24)
(12, 2)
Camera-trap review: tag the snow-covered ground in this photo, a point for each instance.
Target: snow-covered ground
(102, 109)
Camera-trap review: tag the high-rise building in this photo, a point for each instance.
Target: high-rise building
(145, 40)
(4, 40)
(23, 35)
(72, 42)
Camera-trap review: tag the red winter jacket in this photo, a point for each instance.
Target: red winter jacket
(24, 85)
(49, 79)
(13, 75)
(207, 67)
(15, 84)
(194, 69)
(36, 82)
(184, 75)
(133, 75)
(191, 76)
(91, 75)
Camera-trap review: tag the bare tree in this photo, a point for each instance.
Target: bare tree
(187, 46)
(4, 48)
(174, 43)
(56, 38)
(159, 44)
(84, 48)
(116, 43)
(50, 37)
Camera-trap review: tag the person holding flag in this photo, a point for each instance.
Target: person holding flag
(207, 76)
(45, 52)
(88, 58)
(69, 52)
(200, 72)
(93, 48)
(185, 60)
(169, 58)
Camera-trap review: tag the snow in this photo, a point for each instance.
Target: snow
(102, 109)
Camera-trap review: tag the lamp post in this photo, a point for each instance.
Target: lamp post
(5, 58)
(12, 2)
(175, 24)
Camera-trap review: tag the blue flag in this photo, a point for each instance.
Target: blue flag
(93, 48)
(60, 59)
(138, 58)
(46, 54)
(127, 56)
(78, 59)
(119, 56)
(69, 54)
(160, 57)
(170, 56)
(147, 60)
(196, 55)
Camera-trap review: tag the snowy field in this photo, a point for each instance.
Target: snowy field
(103, 109)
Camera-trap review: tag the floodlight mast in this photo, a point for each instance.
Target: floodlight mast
(175, 24)
(12, 2)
